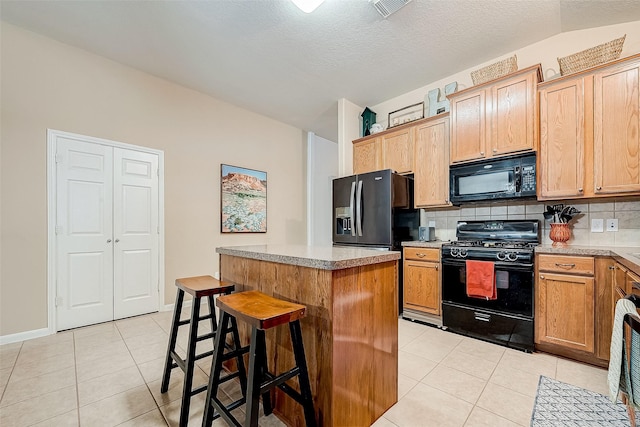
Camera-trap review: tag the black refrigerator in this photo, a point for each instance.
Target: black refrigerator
(375, 210)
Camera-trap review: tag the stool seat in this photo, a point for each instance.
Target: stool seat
(260, 310)
(203, 286)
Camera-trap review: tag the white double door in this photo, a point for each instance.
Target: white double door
(107, 233)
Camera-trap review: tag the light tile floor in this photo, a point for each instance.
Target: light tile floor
(109, 375)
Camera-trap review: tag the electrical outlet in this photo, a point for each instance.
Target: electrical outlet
(597, 225)
(612, 224)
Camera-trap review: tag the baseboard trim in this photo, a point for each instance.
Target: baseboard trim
(23, 336)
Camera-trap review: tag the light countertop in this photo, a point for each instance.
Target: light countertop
(320, 257)
(422, 244)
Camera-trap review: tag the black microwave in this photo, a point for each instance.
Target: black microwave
(506, 178)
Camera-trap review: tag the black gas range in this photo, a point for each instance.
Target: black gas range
(508, 246)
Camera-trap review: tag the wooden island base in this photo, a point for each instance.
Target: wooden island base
(350, 335)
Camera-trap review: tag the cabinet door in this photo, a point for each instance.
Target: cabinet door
(513, 112)
(422, 286)
(468, 126)
(562, 142)
(431, 173)
(397, 150)
(565, 311)
(616, 129)
(367, 156)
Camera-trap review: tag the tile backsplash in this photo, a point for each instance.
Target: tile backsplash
(626, 211)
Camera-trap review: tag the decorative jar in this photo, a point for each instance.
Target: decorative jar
(560, 233)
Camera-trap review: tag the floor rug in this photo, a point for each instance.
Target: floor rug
(563, 405)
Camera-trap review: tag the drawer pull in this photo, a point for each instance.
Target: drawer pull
(420, 255)
(565, 265)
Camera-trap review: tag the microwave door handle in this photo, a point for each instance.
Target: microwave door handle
(518, 179)
(359, 208)
(352, 212)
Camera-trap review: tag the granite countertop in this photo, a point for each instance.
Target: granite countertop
(320, 257)
(628, 256)
(421, 244)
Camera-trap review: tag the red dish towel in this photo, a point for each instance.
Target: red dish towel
(481, 280)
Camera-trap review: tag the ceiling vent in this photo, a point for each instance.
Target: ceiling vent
(389, 7)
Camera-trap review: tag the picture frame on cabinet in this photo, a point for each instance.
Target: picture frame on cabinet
(243, 200)
(406, 115)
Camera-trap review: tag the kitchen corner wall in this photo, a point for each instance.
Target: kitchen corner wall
(627, 211)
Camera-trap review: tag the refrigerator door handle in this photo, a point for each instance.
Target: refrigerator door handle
(359, 208)
(352, 212)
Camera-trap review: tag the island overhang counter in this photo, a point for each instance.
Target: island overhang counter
(350, 331)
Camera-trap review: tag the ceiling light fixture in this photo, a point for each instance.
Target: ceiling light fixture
(307, 6)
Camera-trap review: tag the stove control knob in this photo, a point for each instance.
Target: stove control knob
(501, 256)
(455, 252)
(463, 253)
(512, 256)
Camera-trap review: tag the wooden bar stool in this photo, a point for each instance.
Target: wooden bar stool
(197, 287)
(261, 312)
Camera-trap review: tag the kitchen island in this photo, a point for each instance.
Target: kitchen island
(350, 332)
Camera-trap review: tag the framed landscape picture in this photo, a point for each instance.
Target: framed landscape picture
(243, 194)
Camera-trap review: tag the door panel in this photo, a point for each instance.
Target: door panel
(376, 209)
(84, 234)
(135, 207)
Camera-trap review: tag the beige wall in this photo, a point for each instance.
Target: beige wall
(46, 84)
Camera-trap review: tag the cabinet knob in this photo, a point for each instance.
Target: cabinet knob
(117, 240)
(108, 240)
(598, 188)
(542, 277)
(495, 150)
(482, 153)
(580, 190)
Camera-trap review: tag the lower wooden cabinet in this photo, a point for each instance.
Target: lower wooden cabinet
(574, 306)
(421, 284)
(564, 311)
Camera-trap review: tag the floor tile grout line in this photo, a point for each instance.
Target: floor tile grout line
(13, 367)
(142, 376)
(75, 365)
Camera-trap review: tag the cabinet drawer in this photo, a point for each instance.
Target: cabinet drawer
(422, 254)
(565, 264)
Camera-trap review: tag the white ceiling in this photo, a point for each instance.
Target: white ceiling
(269, 57)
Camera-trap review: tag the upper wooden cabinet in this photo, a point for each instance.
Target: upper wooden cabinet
(616, 128)
(392, 149)
(589, 133)
(397, 150)
(496, 118)
(367, 155)
(431, 157)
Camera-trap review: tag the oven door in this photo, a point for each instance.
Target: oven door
(514, 283)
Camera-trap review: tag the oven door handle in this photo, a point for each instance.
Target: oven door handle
(509, 266)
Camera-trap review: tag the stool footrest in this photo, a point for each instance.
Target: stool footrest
(197, 390)
(206, 337)
(276, 381)
(225, 411)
